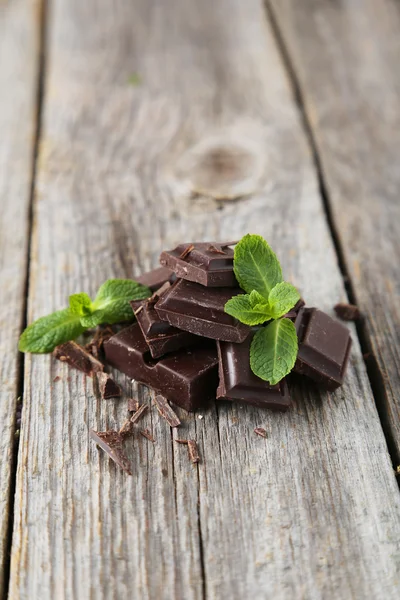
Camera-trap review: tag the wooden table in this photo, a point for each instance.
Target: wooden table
(127, 126)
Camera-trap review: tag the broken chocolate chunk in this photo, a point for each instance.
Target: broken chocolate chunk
(95, 346)
(156, 278)
(238, 382)
(79, 358)
(201, 263)
(160, 336)
(111, 442)
(188, 377)
(108, 388)
(324, 347)
(166, 411)
(347, 312)
(200, 310)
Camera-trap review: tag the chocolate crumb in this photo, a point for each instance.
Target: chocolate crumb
(57, 378)
(95, 346)
(193, 451)
(133, 404)
(138, 414)
(79, 358)
(186, 252)
(107, 386)
(181, 441)
(347, 312)
(260, 431)
(111, 442)
(166, 411)
(146, 433)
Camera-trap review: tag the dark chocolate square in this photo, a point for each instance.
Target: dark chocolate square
(207, 263)
(238, 382)
(324, 347)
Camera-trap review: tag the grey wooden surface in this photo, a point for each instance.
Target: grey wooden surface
(210, 145)
(346, 57)
(18, 62)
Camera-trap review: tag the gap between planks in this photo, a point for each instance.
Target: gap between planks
(40, 74)
(371, 365)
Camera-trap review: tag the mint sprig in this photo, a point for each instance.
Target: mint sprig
(274, 347)
(111, 305)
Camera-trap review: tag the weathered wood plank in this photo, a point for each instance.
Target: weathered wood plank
(125, 171)
(346, 56)
(18, 70)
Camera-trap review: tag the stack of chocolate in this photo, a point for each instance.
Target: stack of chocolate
(185, 346)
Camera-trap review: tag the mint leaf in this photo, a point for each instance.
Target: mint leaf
(80, 304)
(111, 304)
(48, 332)
(282, 298)
(256, 266)
(241, 308)
(273, 351)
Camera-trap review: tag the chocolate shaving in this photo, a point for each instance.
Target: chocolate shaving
(111, 442)
(108, 388)
(260, 431)
(215, 249)
(78, 358)
(193, 451)
(126, 429)
(166, 411)
(138, 414)
(181, 441)
(347, 312)
(186, 252)
(146, 433)
(133, 404)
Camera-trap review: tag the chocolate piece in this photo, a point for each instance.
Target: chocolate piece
(138, 414)
(193, 451)
(347, 312)
(76, 356)
(166, 411)
(107, 386)
(292, 314)
(111, 442)
(200, 310)
(238, 382)
(260, 431)
(126, 429)
(200, 263)
(155, 279)
(187, 377)
(160, 336)
(324, 347)
(146, 433)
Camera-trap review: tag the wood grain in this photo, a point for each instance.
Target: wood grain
(18, 70)
(311, 512)
(346, 56)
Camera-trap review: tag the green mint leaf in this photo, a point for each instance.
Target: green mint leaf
(273, 351)
(282, 298)
(48, 332)
(80, 304)
(96, 318)
(256, 266)
(242, 309)
(111, 304)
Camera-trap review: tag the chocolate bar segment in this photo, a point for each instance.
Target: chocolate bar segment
(238, 382)
(188, 377)
(156, 278)
(200, 310)
(207, 263)
(324, 347)
(160, 336)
